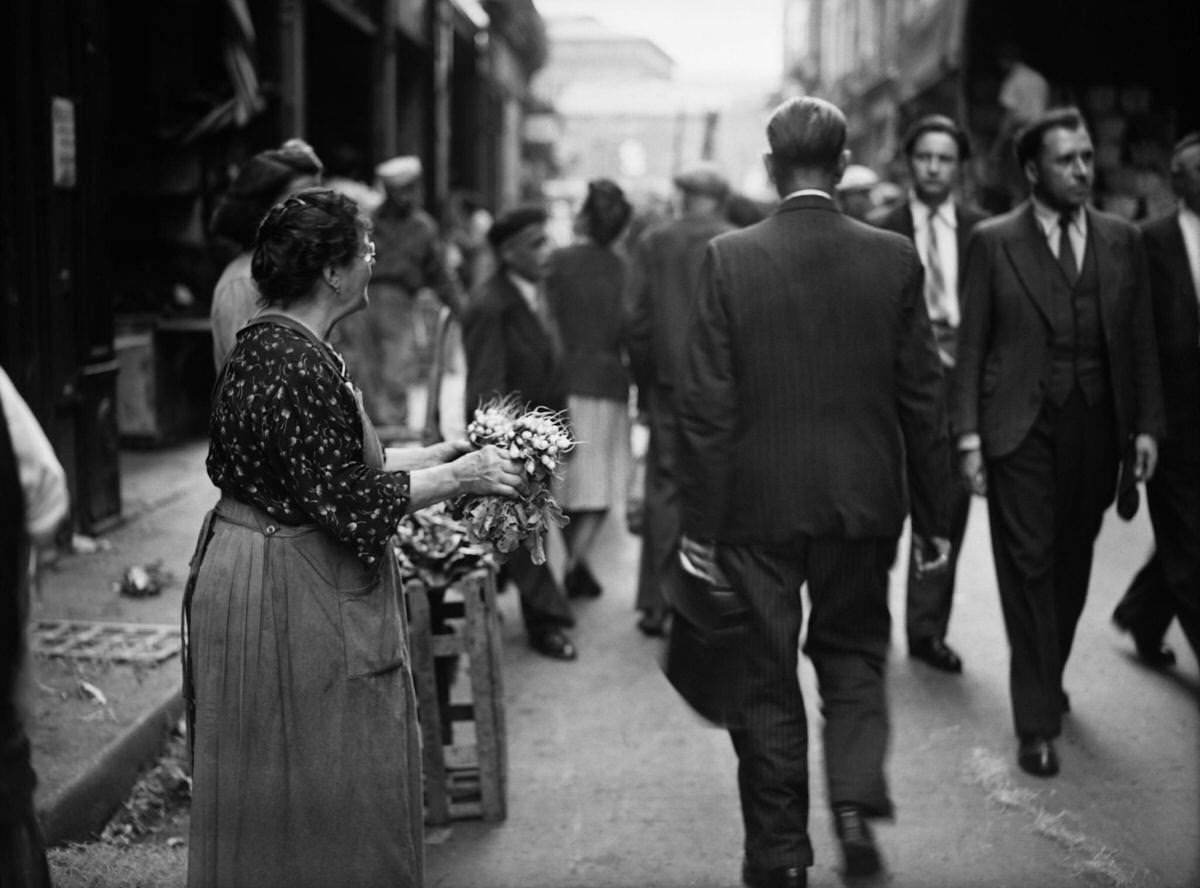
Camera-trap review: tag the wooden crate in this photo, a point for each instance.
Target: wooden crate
(469, 779)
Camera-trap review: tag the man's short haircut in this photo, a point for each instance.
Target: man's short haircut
(1029, 140)
(937, 123)
(808, 133)
(1191, 140)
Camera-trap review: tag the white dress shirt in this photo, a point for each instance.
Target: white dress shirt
(1047, 219)
(1189, 227)
(809, 192)
(528, 291)
(945, 225)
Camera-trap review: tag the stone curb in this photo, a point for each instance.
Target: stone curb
(81, 808)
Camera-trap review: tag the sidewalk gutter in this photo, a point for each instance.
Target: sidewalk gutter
(82, 807)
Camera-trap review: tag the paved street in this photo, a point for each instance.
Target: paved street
(614, 783)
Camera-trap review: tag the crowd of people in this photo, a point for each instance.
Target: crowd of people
(813, 375)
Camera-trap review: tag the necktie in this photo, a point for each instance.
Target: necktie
(1066, 251)
(935, 280)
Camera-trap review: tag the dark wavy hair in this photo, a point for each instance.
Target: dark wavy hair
(605, 211)
(299, 237)
(261, 181)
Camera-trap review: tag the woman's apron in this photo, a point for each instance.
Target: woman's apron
(301, 714)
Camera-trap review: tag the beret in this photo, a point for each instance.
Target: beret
(513, 222)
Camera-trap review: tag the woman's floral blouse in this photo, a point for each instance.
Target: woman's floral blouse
(287, 437)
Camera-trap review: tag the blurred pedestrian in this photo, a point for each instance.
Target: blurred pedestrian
(467, 251)
(389, 347)
(585, 287)
(514, 349)
(344, 174)
(810, 382)
(261, 181)
(855, 189)
(1169, 585)
(664, 281)
(1024, 96)
(1057, 380)
(33, 502)
(303, 724)
(938, 224)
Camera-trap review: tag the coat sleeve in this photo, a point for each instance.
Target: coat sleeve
(973, 333)
(922, 408)
(707, 409)
(638, 321)
(487, 360)
(1150, 415)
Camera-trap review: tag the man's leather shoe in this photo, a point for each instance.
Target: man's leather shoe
(780, 877)
(653, 623)
(936, 653)
(553, 643)
(858, 845)
(579, 583)
(1036, 756)
(1150, 650)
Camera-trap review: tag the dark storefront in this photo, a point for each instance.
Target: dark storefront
(125, 121)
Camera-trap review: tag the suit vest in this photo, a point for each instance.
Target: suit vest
(1079, 356)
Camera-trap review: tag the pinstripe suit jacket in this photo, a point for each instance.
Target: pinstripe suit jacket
(811, 392)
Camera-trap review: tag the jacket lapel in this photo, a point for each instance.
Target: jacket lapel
(1026, 251)
(1181, 270)
(524, 321)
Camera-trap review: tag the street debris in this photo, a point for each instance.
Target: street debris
(90, 692)
(145, 581)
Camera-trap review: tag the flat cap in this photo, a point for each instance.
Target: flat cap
(702, 178)
(512, 222)
(399, 171)
(858, 177)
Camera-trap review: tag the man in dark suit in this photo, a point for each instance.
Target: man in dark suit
(1057, 376)
(663, 280)
(512, 348)
(935, 149)
(811, 378)
(1169, 584)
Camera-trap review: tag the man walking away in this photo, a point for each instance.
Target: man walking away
(663, 281)
(811, 382)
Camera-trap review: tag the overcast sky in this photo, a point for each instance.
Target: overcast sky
(709, 39)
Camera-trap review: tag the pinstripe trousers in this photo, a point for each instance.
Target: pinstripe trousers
(847, 641)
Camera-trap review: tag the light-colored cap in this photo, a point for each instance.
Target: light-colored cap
(703, 178)
(399, 171)
(857, 177)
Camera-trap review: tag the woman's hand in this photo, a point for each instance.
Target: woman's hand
(448, 451)
(489, 471)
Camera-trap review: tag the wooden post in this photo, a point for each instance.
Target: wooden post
(292, 111)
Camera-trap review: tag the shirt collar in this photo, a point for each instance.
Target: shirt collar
(809, 192)
(527, 289)
(1188, 215)
(944, 210)
(1047, 217)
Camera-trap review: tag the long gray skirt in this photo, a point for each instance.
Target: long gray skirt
(307, 766)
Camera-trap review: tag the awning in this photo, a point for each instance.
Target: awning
(247, 101)
(930, 45)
